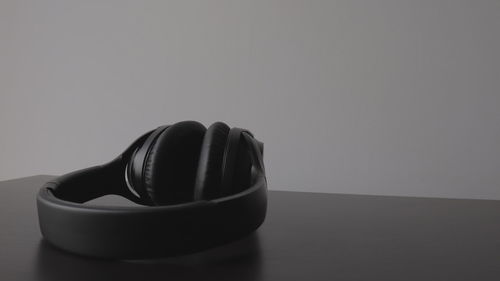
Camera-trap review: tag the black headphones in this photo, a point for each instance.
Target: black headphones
(199, 188)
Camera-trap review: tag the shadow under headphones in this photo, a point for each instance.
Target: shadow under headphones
(197, 188)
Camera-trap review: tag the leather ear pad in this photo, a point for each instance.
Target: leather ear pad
(208, 177)
(171, 165)
(241, 179)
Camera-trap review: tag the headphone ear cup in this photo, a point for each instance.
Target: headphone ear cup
(171, 163)
(241, 172)
(209, 173)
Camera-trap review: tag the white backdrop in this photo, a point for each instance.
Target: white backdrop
(366, 96)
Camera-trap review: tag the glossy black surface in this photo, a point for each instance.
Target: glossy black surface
(306, 236)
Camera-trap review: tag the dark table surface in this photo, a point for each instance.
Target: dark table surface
(306, 236)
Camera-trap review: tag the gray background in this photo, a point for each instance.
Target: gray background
(373, 96)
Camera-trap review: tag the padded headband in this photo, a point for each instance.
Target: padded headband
(145, 231)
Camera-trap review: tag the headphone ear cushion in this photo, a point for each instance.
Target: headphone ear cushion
(241, 177)
(172, 162)
(209, 173)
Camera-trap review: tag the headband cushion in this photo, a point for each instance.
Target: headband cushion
(171, 164)
(208, 177)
